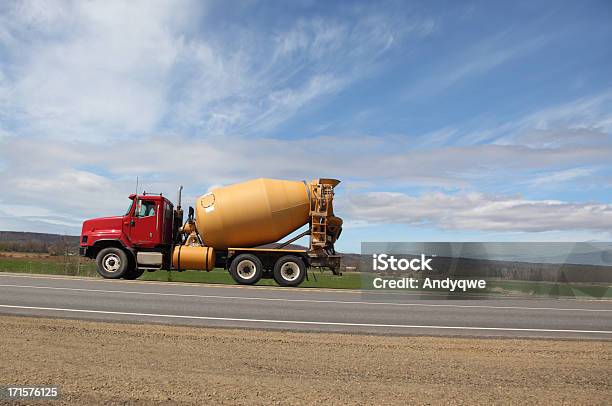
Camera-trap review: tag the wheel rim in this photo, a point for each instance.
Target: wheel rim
(290, 271)
(111, 263)
(246, 269)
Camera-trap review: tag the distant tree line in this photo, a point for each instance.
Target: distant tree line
(38, 243)
(24, 246)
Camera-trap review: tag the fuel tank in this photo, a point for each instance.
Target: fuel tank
(191, 257)
(252, 213)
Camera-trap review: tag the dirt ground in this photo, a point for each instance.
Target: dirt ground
(103, 363)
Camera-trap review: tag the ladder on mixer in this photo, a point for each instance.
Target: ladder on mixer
(321, 196)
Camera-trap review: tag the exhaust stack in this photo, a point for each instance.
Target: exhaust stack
(180, 192)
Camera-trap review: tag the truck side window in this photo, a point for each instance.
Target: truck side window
(145, 208)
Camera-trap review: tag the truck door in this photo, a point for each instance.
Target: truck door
(145, 229)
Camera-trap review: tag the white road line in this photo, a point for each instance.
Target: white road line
(261, 288)
(319, 323)
(193, 284)
(351, 302)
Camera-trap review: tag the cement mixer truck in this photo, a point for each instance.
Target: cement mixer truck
(236, 227)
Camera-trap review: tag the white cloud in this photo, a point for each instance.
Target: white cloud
(585, 122)
(223, 159)
(86, 179)
(252, 87)
(561, 176)
(85, 69)
(116, 69)
(476, 211)
(591, 112)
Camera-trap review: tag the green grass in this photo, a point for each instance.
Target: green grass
(552, 288)
(81, 267)
(48, 265)
(316, 279)
(76, 266)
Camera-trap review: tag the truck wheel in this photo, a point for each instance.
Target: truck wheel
(289, 271)
(112, 263)
(246, 269)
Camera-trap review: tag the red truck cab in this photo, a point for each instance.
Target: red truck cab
(144, 234)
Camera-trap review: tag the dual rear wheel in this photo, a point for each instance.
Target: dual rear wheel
(247, 269)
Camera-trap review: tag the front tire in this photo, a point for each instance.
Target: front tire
(246, 269)
(289, 271)
(112, 263)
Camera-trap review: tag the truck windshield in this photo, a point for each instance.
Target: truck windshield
(129, 208)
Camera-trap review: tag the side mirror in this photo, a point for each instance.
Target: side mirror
(191, 212)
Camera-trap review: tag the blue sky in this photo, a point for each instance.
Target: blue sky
(445, 121)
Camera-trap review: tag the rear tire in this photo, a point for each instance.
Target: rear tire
(289, 270)
(112, 263)
(246, 269)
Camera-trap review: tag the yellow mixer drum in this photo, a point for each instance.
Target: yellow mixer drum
(252, 213)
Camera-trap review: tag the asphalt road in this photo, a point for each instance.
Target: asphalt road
(300, 309)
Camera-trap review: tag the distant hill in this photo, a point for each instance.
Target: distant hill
(38, 242)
